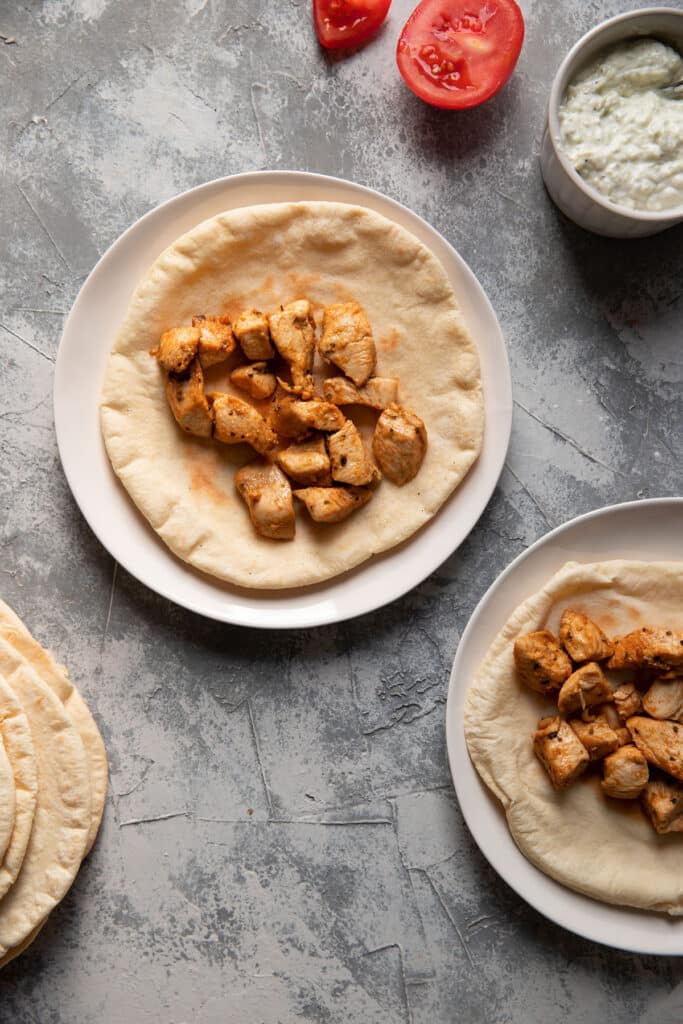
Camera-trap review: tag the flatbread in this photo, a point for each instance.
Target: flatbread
(13, 630)
(603, 848)
(62, 815)
(18, 744)
(7, 800)
(262, 256)
(16, 951)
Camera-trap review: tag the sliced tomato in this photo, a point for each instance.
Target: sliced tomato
(458, 53)
(340, 23)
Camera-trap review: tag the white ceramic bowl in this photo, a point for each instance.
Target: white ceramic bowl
(575, 197)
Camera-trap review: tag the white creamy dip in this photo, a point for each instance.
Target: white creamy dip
(623, 135)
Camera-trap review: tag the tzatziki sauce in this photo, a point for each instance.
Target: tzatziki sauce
(622, 133)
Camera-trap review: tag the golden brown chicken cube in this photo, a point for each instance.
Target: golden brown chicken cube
(560, 751)
(185, 393)
(255, 380)
(598, 737)
(347, 341)
(582, 639)
(541, 663)
(332, 504)
(625, 774)
(293, 333)
(662, 801)
(377, 393)
(294, 417)
(307, 463)
(216, 340)
(661, 743)
(650, 646)
(268, 495)
(584, 687)
(609, 713)
(253, 335)
(177, 348)
(627, 701)
(349, 460)
(664, 699)
(237, 422)
(399, 444)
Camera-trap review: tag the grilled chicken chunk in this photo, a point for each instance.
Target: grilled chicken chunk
(251, 331)
(177, 348)
(347, 341)
(664, 699)
(650, 646)
(349, 460)
(598, 737)
(185, 393)
(255, 380)
(378, 393)
(584, 687)
(294, 418)
(662, 801)
(216, 340)
(625, 774)
(609, 713)
(560, 751)
(237, 421)
(399, 444)
(541, 663)
(627, 701)
(582, 639)
(307, 463)
(266, 490)
(660, 742)
(293, 334)
(332, 504)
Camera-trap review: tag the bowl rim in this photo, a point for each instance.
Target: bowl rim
(671, 214)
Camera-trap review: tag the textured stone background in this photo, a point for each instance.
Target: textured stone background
(281, 840)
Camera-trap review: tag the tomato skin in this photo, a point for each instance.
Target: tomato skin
(344, 23)
(456, 54)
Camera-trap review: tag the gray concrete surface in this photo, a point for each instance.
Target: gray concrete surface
(281, 840)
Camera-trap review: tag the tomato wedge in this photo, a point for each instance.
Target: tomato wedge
(458, 53)
(340, 23)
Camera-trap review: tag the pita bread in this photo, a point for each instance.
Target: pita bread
(263, 256)
(7, 800)
(18, 743)
(602, 848)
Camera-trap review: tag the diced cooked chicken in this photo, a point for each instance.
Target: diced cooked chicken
(293, 333)
(216, 340)
(177, 348)
(237, 421)
(598, 737)
(650, 646)
(583, 688)
(377, 393)
(347, 341)
(582, 639)
(253, 335)
(294, 417)
(664, 699)
(307, 463)
(627, 701)
(349, 460)
(266, 490)
(185, 393)
(541, 663)
(662, 801)
(625, 774)
(332, 504)
(560, 751)
(660, 742)
(399, 444)
(255, 380)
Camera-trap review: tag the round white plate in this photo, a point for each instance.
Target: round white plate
(81, 361)
(645, 530)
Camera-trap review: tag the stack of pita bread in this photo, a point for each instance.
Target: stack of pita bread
(53, 783)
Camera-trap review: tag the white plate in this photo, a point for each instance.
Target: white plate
(79, 373)
(646, 530)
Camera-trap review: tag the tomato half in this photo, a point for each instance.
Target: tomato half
(458, 53)
(340, 23)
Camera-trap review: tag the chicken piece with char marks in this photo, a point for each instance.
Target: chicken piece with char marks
(584, 687)
(609, 713)
(237, 422)
(349, 460)
(185, 393)
(662, 801)
(177, 348)
(597, 736)
(307, 463)
(625, 774)
(582, 639)
(268, 495)
(541, 663)
(627, 701)
(293, 333)
(649, 646)
(399, 444)
(332, 504)
(664, 699)
(293, 417)
(560, 751)
(253, 335)
(255, 380)
(377, 393)
(216, 340)
(347, 341)
(661, 743)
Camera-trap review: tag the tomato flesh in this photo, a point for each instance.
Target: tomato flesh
(457, 53)
(340, 23)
